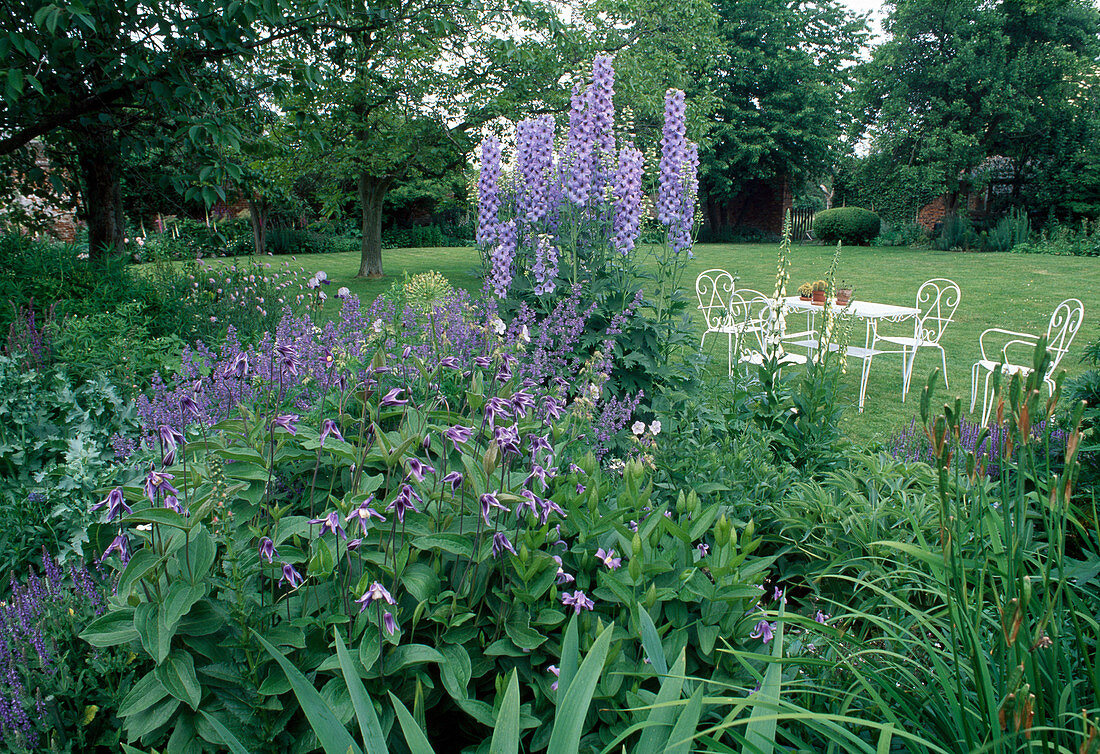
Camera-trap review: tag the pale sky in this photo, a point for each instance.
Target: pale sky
(875, 9)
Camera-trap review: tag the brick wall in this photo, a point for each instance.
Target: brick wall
(761, 205)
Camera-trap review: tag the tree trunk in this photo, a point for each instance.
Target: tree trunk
(257, 212)
(372, 192)
(100, 159)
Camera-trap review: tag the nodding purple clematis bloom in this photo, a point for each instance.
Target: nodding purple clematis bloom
(449, 362)
(522, 403)
(121, 545)
(406, 352)
(116, 504)
(238, 367)
(393, 398)
(580, 488)
(189, 409)
(172, 503)
(507, 438)
(501, 544)
(821, 617)
(703, 548)
(404, 502)
(548, 507)
(291, 576)
(388, 623)
(157, 483)
(331, 523)
(541, 474)
(607, 557)
(417, 469)
(483, 362)
(489, 502)
(458, 434)
(353, 544)
(170, 439)
(633, 525)
(563, 577)
(556, 673)
(763, 631)
(287, 422)
(288, 358)
(328, 427)
(455, 480)
(375, 592)
(267, 550)
(497, 407)
(578, 601)
(777, 595)
(327, 355)
(364, 513)
(535, 443)
(530, 502)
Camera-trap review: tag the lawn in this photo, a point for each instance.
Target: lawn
(1014, 291)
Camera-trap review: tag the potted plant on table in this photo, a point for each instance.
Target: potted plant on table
(805, 291)
(818, 289)
(843, 294)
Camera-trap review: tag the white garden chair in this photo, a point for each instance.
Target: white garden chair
(715, 289)
(1064, 324)
(757, 334)
(937, 300)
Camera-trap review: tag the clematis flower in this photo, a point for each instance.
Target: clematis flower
(501, 544)
(821, 617)
(172, 503)
(238, 367)
(763, 631)
(458, 434)
(364, 513)
(267, 550)
(404, 502)
(495, 408)
(607, 557)
(562, 577)
(290, 576)
(375, 592)
(507, 439)
(392, 398)
(483, 362)
(328, 427)
(489, 502)
(331, 523)
(188, 408)
(530, 502)
(287, 422)
(522, 403)
(557, 674)
(288, 359)
(121, 545)
(578, 601)
(541, 474)
(454, 479)
(417, 469)
(170, 439)
(703, 548)
(157, 483)
(388, 623)
(116, 504)
(449, 362)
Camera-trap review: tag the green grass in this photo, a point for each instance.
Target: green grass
(1014, 291)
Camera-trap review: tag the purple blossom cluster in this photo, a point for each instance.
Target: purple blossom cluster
(501, 258)
(576, 157)
(911, 444)
(602, 119)
(488, 192)
(27, 651)
(535, 161)
(28, 340)
(627, 200)
(545, 268)
(678, 174)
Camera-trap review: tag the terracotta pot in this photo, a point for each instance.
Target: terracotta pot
(805, 298)
(842, 299)
(819, 297)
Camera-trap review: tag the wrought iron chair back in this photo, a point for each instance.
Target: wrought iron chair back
(714, 289)
(937, 300)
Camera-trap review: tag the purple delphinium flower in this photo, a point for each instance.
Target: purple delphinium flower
(763, 631)
(576, 158)
(328, 427)
(607, 557)
(290, 576)
(393, 398)
(287, 422)
(417, 469)
(578, 601)
(267, 550)
(388, 623)
(501, 256)
(627, 199)
(116, 504)
(501, 545)
(673, 155)
(488, 192)
(330, 523)
(545, 268)
(404, 502)
(489, 502)
(534, 161)
(375, 592)
(121, 545)
(458, 434)
(602, 117)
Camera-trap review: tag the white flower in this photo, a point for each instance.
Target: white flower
(525, 335)
(343, 292)
(145, 527)
(377, 326)
(322, 295)
(320, 276)
(312, 283)
(655, 427)
(498, 326)
(638, 428)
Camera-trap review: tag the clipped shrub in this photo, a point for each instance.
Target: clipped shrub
(853, 226)
(1010, 231)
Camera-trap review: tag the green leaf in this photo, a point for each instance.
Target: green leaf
(420, 581)
(111, 629)
(651, 642)
(369, 727)
(455, 670)
(143, 695)
(228, 738)
(656, 735)
(179, 601)
(452, 543)
(154, 637)
(414, 737)
(140, 565)
(201, 551)
(177, 674)
(158, 516)
(573, 709)
(760, 730)
(506, 733)
(570, 651)
(329, 730)
(411, 654)
(683, 733)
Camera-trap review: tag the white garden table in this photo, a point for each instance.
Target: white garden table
(869, 311)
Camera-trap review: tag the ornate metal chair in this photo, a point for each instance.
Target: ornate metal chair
(715, 289)
(937, 300)
(1064, 324)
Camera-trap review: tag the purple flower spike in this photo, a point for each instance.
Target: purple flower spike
(489, 502)
(328, 427)
(290, 576)
(287, 422)
(116, 504)
(628, 199)
(545, 268)
(121, 545)
(330, 523)
(578, 601)
(374, 592)
(404, 502)
(501, 256)
(534, 161)
(488, 192)
(576, 157)
(607, 557)
(388, 623)
(502, 545)
(392, 398)
(417, 469)
(763, 631)
(267, 550)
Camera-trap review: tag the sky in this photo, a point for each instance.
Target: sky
(874, 7)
